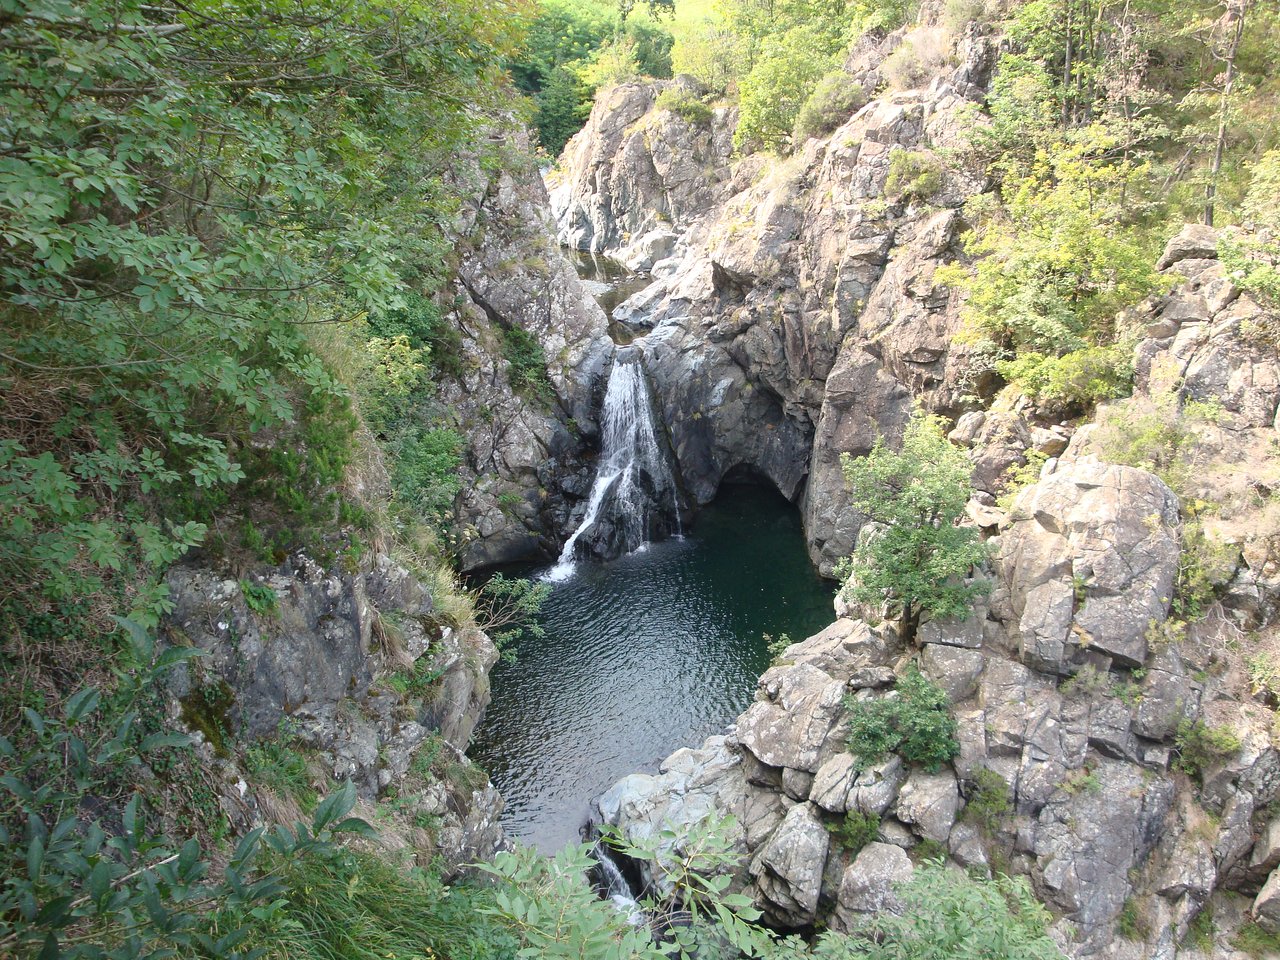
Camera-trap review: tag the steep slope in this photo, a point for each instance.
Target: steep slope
(796, 318)
(1086, 706)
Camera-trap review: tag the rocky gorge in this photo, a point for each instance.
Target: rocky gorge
(793, 317)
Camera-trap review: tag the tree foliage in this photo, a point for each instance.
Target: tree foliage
(914, 722)
(185, 193)
(574, 47)
(917, 559)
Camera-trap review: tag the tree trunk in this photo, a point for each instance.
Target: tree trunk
(1224, 112)
(1066, 70)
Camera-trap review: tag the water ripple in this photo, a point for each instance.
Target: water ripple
(651, 652)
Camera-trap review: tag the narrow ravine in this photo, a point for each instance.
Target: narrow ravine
(651, 651)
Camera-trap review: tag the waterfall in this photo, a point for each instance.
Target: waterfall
(612, 884)
(634, 495)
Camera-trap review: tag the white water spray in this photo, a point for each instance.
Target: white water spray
(633, 477)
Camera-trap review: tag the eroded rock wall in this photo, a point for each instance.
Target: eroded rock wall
(797, 318)
(304, 654)
(528, 451)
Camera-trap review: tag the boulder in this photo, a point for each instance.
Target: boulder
(1193, 241)
(866, 888)
(787, 726)
(1266, 906)
(787, 870)
(929, 801)
(1089, 555)
(841, 786)
(954, 669)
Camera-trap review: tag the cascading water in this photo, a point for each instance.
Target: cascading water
(634, 496)
(612, 884)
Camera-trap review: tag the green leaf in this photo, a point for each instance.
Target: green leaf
(81, 704)
(337, 804)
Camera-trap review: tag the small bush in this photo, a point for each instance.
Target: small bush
(989, 800)
(949, 914)
(1130, 924)
(425, 471)
(362, 907)
(1158, 435)
(1074, 382)
(856, 830)
(1264, 675)
(918, 59)
(1201, 930)
(418, 681)
(928, 849)
(1205, 566)
(913, 175)
(1082, 781)
(1200, 747)
(834, 100)
(1088, 682)
(421, 323)
(686, 106)
(915, 723)
(259, 597)
(279, 767)
(528, 363)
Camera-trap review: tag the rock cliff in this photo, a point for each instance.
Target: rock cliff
(353, 669)
(794, 316)
(528, 449)
(1079, 695)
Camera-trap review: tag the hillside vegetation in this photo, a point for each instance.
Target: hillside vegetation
(228, 239)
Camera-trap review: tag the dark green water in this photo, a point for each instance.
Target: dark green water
(644, 655)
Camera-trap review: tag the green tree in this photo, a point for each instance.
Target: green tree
(918, 558)
(573, 47)
(771, 96)
(1060, 256)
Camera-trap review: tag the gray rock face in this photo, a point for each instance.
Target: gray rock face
(788, 869)
(309, 654)
(513, 277)
(795, 318)
(788, 726)
(1193, 241)
(1090, 554)
(797, 315)
(866, 887)
(1088, 841)
(635, 176)
(309, 661)
(929, 802)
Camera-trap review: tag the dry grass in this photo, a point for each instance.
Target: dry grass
(921, 56)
